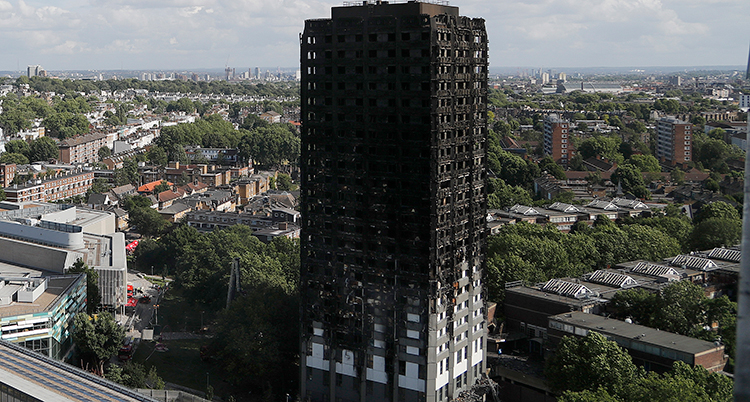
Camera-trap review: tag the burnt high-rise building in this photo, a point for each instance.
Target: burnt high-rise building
(394, 140)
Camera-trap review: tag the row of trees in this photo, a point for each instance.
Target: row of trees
(62, 117)
(69, 87)
(536, 253)
(604, 102)
(21, 152)
(267, 145)
(256, 337)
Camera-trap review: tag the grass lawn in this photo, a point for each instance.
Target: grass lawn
(177, 314)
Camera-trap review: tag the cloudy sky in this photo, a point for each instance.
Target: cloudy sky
(195, 34)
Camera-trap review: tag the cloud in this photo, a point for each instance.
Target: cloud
(174, 34)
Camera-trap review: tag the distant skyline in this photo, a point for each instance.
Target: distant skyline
(209, 34)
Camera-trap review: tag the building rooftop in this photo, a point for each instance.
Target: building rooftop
(50, 380)
(56, 286)
(81, 139)
(634, 332)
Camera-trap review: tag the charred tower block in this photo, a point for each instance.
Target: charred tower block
(393, 170)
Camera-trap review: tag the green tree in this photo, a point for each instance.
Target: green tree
(104, 152)
(606, 147)
(148, 221)
(716, 232)
(588, 363)
(718, 209)
(712, 185)
(131, 374)
(678, 227)
(43, 149)
(14, 119)
(548, 164)
(100, 186)
(268, 146)
(514, 170)
(627, 175)
(256, 340)
(2, 194)
(284, 182)
(157, 156)
(97, 339)
(502, 195)
(717, 133)
(153, 380)
(682, 308)
(93, 295)
(18, 159)
(128, 174)
(136, 201)
(18, 147)
(163, 186)
(677, 176)
(645, 163)
(66, 124)
(599, 395)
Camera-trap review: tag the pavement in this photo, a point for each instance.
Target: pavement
(135, 320)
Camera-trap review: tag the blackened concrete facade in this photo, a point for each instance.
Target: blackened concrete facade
(393, 203)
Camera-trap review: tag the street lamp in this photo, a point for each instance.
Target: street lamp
(202, 320)
(156, 313)
(152, 270)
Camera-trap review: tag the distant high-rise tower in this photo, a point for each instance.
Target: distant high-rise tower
(33, 71)
(257, 73)
(229, 73)
(394, 142)
(674, 140)
(557, 142)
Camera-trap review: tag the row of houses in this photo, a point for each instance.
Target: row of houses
(564, 215)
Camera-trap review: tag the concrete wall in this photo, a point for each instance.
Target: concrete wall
(36, 255)
(113, 276)
(101, 226)
(39, 234)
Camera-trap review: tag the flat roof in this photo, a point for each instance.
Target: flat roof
(86, 217)
(366, 9)
(49, 380)
(641, 333)
(56, 286)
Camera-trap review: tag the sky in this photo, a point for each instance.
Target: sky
(210, 34)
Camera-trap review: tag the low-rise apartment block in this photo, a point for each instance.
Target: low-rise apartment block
(7, 173)
(82, 149)
(56, 188)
